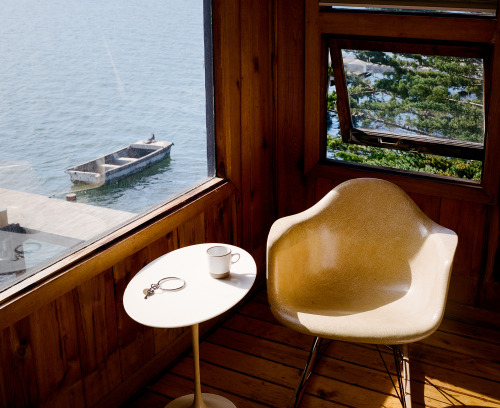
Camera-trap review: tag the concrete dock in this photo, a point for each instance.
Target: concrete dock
(48, 228)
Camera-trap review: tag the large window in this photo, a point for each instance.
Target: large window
(85, 86)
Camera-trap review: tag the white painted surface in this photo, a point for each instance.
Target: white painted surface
(203, 297)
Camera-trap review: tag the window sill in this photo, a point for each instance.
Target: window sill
(434, 185)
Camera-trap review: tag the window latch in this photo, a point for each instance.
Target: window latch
(382, 142)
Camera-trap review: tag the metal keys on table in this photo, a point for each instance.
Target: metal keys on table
(162, 284)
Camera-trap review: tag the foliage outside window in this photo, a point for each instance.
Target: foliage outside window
(407, 111)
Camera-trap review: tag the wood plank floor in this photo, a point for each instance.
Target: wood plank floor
(256, 362)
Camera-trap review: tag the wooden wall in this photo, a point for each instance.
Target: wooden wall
(80, 349)
(68, 342)
(303, 177)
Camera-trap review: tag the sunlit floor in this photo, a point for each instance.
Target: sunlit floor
(255, 362)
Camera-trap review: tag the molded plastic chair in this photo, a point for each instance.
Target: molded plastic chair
(364, 264)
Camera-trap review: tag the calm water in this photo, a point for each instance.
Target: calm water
(80, 79)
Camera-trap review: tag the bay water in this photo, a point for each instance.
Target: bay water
(81, 79)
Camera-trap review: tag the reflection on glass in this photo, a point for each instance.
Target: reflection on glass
(416, 94)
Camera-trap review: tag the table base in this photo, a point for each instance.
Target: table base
(209, 400)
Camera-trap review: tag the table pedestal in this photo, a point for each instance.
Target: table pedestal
(209, 401)
(199, 400)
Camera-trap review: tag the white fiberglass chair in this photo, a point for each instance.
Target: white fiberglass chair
(364, 264)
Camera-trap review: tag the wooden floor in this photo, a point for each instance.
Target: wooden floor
(256, 362)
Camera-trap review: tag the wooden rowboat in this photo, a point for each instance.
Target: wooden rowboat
(120, 164)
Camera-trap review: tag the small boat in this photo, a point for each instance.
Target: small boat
(120, 164)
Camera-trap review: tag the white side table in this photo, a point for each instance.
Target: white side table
(201, 299)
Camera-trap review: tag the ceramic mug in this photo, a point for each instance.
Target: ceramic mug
(220, 260)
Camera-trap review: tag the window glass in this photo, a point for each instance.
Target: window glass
(412, 112)
(92, 82)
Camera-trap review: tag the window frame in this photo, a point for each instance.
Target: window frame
(487, 6)
(392, 140)
(405, 28)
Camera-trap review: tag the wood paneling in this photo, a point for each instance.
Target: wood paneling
(257, 130)
(56, 360)
(408, 26)
(96, 318)
(81, 348)
(244, 100)
(227, 89)
(18, 384)
(290, 94)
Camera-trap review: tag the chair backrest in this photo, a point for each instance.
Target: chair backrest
(361, 246)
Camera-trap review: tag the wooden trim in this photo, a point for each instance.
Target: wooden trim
(106, 252)
(291, 89)
(429, 185)
(257, 117)
(483, 193)
(312, 95)
(227, 95)
(489, 6)
(416, 143)
(416, 47)
(397, 26)
(491, 167)
(227, 84)
(343, 108)
(325, 85)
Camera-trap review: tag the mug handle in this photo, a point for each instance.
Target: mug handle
(237, 259)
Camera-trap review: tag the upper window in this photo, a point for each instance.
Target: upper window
(103, 115)
(416, 107)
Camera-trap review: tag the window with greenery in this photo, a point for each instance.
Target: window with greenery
(80, 81)
(414, 107)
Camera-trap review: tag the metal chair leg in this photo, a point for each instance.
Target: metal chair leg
(402, 362)
(308, 369)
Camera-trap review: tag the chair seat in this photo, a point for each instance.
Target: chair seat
(399, 322)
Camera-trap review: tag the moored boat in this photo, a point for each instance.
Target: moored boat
(120, 164)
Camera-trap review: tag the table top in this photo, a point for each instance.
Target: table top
(201, 299)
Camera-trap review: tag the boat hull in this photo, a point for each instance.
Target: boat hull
(121, 164)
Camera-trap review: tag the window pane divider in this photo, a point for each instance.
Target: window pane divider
(488, 6)
(417, 144)
(343, 110)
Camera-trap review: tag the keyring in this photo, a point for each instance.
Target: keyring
(155, 286)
